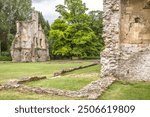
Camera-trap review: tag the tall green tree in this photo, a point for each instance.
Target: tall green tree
(10, 12)
(74, 11)
(71, 35)
(3, 24)
(60, 45)
(82, 40)
(96, 24)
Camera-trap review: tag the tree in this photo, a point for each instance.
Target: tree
(11, 11)
(82, 40)
(74, 11)
(3, 25)
(72, 34)
(96, 24)
(60, 45)
(73, 40)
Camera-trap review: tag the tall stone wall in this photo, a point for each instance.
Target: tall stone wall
(30, 43)
(111, 33)
(135, 27)
(127, 39)
(134, 63)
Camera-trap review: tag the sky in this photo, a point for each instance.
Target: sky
(47, 7)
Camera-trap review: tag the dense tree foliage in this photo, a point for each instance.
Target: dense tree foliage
(73, 40)
(74, 11)
(10, 12)
(57, 38)
(76, 33)
(96, 24)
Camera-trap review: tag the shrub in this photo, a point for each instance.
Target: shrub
(5, 58)
(90, 57)
(5, 53)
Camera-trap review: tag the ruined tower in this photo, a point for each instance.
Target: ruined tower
(127, 37)
(30, 43)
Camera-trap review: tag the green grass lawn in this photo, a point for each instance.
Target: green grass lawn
(71, 81)
(66, 83)
(123, 90)
(75, 80)
(10, 70)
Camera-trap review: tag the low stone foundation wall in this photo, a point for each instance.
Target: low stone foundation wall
(91, 91)
(96, 88)
(73, 69)
(35, 78)
(1, 87)
(18, 83)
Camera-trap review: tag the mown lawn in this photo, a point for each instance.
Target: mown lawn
(123, 90)
(120, 90)
(72, 81)
(9, 71)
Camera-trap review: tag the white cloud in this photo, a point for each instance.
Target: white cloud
(47, 7)
(94, 4)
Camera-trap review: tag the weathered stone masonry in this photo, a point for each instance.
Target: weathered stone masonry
(91, 91)
(109, 57)
(30, 43)
(127, 39)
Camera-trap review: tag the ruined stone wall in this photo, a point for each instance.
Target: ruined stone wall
(30, 43)
(135, 27)
(127, 39)
(134, 63)
(21, 47)
(111, 33)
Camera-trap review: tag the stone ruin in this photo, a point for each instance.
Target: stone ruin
(30, 43)
(127, 38)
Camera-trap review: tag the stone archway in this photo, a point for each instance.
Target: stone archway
(127, 39)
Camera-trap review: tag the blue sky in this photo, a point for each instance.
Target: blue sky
(47, 7)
